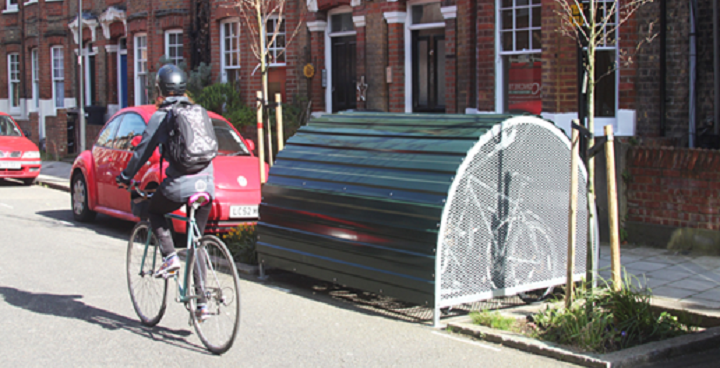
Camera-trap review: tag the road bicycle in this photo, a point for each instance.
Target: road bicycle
(209, 273)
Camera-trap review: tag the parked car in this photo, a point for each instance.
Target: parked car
(19, 157)
(93, 187)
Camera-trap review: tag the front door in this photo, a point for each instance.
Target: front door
(428, 57)
(343, 73)
(123, 81)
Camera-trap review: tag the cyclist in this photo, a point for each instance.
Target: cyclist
(176, 188)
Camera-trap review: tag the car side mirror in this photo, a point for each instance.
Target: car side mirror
(135, 141)
(250, 145)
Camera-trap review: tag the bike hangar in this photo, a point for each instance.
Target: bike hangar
(438, 210)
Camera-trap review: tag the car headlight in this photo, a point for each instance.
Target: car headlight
(31, 154)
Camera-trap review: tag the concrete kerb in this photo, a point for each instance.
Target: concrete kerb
(646, 353)
(52, 183)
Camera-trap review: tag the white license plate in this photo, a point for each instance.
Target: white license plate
(243, 211)
(9, 164)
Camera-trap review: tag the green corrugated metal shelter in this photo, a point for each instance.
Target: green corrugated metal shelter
(437, 210)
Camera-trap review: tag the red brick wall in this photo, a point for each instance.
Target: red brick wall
(674, 187)
(56, 134)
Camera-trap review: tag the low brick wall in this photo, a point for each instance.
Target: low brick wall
(678, 188)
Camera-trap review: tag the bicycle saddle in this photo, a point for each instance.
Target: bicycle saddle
(199, 199)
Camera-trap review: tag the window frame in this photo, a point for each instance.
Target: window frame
(138, 87)
(35, 75)
(125, 146)
(56, 79)
(175, 60)
(10, 7)
(274, 50)
(111, 138)
(223, 52)
(606, 46)
(501, 84)
(14, 78)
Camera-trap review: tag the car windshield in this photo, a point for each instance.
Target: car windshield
(229, 142)
(8, 127)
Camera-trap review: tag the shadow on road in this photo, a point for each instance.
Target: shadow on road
(103, 225)
(70, 306)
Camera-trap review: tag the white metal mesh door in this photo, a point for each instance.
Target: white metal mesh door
(505, 225)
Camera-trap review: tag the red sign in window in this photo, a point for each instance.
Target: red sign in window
(524, 87)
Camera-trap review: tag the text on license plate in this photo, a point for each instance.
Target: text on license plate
(243, 211)
(9, 164)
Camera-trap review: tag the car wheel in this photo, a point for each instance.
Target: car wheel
(29, 181)
(79, 200)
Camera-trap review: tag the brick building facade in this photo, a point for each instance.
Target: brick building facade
(453, 56)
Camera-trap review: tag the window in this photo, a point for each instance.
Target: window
(58, 76)
(605, 74)
(105, 139)
(276, 50)
(230, 49)
(174, 46)
(132, 125)
(35, 79)
(14, 81)
(8, 127)
(229, 142)
(520, 40)
(11, 5)
(141, 71)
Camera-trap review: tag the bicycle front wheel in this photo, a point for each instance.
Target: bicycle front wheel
(216, 283)
(148, 294)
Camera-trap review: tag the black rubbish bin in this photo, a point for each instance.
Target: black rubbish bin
(95, 115)
(72, 130)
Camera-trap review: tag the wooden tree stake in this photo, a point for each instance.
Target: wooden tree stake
(572, 215)
(279, 122)
(261, 143)
(613, 209)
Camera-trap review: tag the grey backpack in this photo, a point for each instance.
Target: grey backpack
(192, 144)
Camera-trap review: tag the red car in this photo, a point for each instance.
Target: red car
(19, 157)
(92, 182)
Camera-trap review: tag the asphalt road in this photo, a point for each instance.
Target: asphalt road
(64, 302)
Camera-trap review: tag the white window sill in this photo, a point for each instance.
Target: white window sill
(10, 11)
(53, 1)
(277, 65)
(31, 2)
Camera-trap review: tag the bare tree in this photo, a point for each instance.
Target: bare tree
(595, 23)
(257, 15)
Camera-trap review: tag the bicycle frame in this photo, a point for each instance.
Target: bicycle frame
(190, 246)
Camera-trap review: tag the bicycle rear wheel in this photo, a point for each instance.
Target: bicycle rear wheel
(216, 283)
(148, 294)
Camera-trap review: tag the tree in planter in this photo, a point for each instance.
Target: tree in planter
(594, 24)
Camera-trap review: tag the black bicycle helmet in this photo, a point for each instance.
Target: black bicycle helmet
(171, 81)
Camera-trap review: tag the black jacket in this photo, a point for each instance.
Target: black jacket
(175, 186)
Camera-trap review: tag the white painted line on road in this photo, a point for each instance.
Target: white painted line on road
(466, 341)
(6, 205)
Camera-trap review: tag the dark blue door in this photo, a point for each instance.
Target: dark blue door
(123, 81)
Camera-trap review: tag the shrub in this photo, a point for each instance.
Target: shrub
(617, 320)
(241, 243)
(224, 99)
